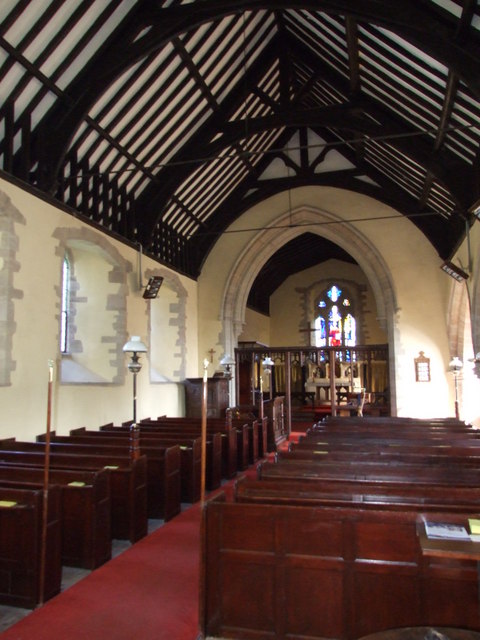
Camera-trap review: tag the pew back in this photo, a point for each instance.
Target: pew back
(298, 572)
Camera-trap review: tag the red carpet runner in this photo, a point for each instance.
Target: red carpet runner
(149, 592)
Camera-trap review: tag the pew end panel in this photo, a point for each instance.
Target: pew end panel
(21, 547)
(85, 510)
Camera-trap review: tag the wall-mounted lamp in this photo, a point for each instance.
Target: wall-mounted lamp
(153, 286)
(455, 367)
(454, 271)
(134, 346)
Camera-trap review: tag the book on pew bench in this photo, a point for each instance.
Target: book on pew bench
(474, 524)
(446, 531)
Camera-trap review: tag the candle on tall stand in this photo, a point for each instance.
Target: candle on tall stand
(204, 431)
(261, 396)
(455, 367)
(267, 364)
(46, 473)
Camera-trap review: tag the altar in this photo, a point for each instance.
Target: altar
(321, 388)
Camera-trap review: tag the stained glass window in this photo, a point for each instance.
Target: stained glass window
(335, 324)
(320, 332)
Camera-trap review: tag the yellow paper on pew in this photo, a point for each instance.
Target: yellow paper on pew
(7, 503)
(474, 525)
(183, 447)
(111, 466)
(317, 453)
(76, 483)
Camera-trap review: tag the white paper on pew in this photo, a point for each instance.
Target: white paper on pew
(446, 531)
(475, 537)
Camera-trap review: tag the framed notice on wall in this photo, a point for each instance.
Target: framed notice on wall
(422, 368)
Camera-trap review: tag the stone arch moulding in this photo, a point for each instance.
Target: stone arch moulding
(178, 315)
(9, 265)
(456, 318)
(475, 316)
(86, 237)
(286, 227)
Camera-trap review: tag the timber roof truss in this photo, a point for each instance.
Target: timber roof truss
(163, 121)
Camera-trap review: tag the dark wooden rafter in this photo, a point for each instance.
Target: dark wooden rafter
(351, 119)
(351, 31)
(163, 182)
(388, 192)
(341, 120)
(181, 165)
(450, 93)
(443, 165)
(128, 46)
(285, 70)
(194, 73)
(476, 178)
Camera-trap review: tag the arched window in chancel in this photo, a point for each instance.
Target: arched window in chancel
(335, 323)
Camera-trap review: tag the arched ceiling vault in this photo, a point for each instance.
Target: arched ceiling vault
(163, 121)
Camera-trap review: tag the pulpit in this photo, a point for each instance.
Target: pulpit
(217, 397)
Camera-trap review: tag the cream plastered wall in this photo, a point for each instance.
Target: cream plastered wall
(34, 326)
(288, 320)
(464, 336)
(256, 328)
(403, 270)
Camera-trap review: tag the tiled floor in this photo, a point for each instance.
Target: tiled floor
(70, 575)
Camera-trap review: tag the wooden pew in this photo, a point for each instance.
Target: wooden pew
(345, 572)
(231, 441)
(449, 422)
(386, 446)
(439, 457)
(440, 474)
(85, 511)
(213, 446)
(229, 437)
(21, 530)
(262, 436)
(392, 425)
(400, 430)
(366, 495)
(252, 439)
(163, 466)
(128, 484)
(190, 453)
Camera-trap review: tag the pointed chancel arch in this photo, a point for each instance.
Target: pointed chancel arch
(284, 228)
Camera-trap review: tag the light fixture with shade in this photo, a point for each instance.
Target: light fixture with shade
(227, 362)
(134, 346)
(267, 364)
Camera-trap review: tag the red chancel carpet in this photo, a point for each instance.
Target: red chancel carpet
(149, 592)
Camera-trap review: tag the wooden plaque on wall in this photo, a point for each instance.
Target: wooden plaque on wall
(422, 368)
